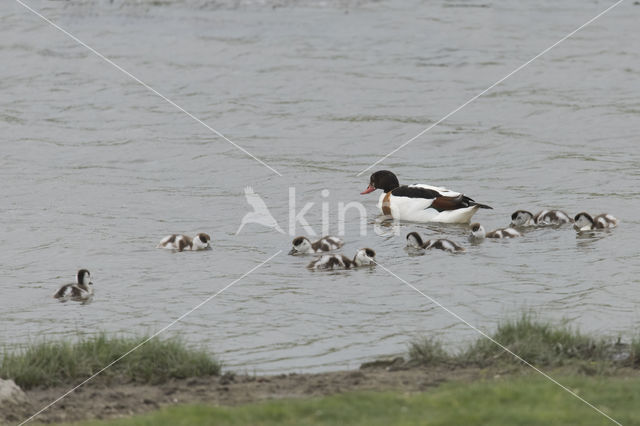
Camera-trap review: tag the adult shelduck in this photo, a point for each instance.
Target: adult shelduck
(421, 203)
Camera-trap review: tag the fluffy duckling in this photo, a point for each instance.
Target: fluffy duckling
(302, 245)
(80, 291)
(478, 233)
(584, 222)
(363, 257)
(542, 218)
(182, 242)
(414, 240)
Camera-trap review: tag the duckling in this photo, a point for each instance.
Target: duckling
(183, 242)
(521, 218)
(543, 217)
(80, 291)
(478, 233)
(363, 257)
(302, 245)
(584, 222)
(414, 240)
(552, 217)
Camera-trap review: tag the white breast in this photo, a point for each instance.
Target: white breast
(419, 209)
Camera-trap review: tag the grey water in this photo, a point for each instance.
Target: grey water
(95, 169)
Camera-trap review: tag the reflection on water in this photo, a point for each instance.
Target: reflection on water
(95, 170)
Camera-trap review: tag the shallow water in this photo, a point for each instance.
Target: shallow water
(95, 169)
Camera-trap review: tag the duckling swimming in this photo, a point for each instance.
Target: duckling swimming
(302, 245)
(478, 233)
(182, 242)
(584, 222)
(363, 257)
(80, 291)
(542, 218)
(414, 240)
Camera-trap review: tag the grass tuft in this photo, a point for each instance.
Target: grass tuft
(54, 363)
(427, 351)
(538, 342)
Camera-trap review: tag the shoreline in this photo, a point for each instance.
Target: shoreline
(111, 398)
(165, 373)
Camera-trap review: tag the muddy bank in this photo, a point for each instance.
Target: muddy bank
(104, 399)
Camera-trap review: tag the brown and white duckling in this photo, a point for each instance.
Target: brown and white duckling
(414, 240)
(584, 222)
(80, 291)
(478, 233)
(302, 245)
(363, 257)
(183, 242)
(542, 218)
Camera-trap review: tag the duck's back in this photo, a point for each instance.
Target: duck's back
(426, 203)
(331, 261)
(64, 291)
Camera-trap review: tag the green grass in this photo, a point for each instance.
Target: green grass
(52, 363)
(428, 352)
(528, 400)
(538, 342)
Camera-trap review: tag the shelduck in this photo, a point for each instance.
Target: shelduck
(302, 245)
(414, 240)
(421, 203)
(584, 222)
(80, 291)
(478, 233)
(363, 257)
(542, 218)
(182, 242)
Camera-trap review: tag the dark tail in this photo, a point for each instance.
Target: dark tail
(481, 206)
(470, 202)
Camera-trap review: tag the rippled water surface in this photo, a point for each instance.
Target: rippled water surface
(95, 169)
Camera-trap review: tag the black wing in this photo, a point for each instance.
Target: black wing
(440, 202)
(415, 192)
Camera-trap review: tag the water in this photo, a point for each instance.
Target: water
(95, 169)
